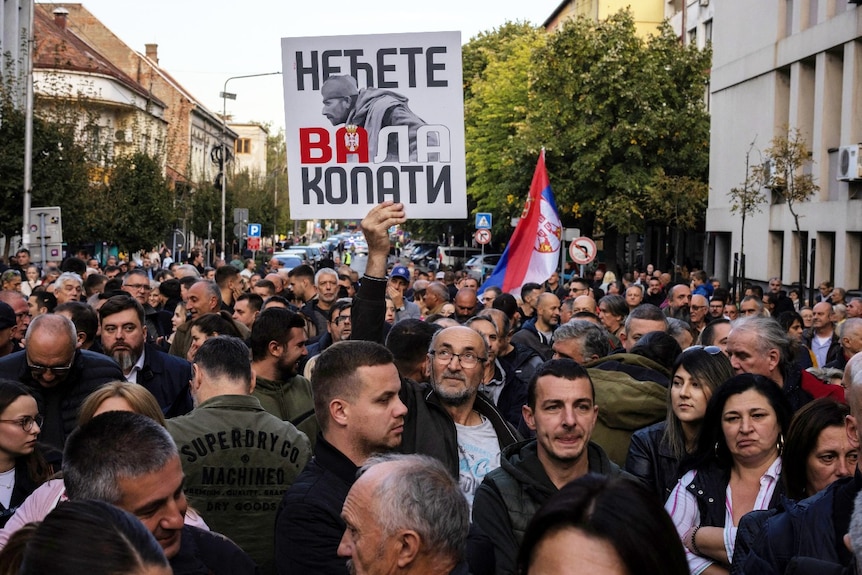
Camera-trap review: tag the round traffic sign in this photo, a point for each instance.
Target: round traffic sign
(483, 237)
(582, 250)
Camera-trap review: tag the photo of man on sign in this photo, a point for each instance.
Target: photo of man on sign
(372, 109)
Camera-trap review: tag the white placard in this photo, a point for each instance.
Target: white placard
(373, 118)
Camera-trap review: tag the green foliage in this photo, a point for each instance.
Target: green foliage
(143, 198)
(618, 115)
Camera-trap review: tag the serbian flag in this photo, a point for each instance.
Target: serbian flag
(533, 252)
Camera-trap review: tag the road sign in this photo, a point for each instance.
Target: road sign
(240, 215)
(582, 250)
(254, 230)
(483, 237)
(253, 243)
(483, 221)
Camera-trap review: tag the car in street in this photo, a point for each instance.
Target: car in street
(290, 259)
(482, 265)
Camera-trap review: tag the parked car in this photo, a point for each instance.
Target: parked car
(424, 253)
(289, 259)
(454, 257)
(482, 265)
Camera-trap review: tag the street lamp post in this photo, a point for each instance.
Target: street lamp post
(225, 95)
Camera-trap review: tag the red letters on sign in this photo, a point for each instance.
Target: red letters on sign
(314, 146)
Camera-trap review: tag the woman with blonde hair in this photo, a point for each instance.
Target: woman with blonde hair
(120, 396)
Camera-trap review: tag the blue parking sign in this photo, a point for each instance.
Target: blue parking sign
(254, 230)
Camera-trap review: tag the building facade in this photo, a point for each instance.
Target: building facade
(250, 149)
(780, 64)
(648, 14)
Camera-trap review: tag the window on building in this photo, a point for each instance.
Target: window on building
(242, 146)
(707, 31)
(692, 36)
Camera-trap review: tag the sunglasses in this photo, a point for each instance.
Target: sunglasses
(710, 349)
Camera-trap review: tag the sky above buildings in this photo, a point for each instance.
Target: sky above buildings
(202, 44)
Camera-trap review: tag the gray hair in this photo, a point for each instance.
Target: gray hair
(113, 446)
(419, 494)
(646, 311)
(770, 335)
(756, 300)
(856, 529)
(188, 270)
(212, 289)
(593, 339)
(67, 277)
(324, 272)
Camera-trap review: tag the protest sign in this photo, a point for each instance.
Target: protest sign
(372, 118)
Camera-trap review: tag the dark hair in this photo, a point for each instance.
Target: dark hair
(506, 303)
(339, 306)
(93, 281)
(122, 543)
(170, 288)
(564, 368)
(618, 511)
(529, 287)
(220, 323)
(37, 468)
(273, 324)
(712, 444)
(83, 316)
(73, 264)
(658, 346)
(120, 303)
(97, 454)
(224, 273)
(45, 299)
(707, 336)
(616, 304)
(786, 319)
(227, 357)
(408, 340)
(710, 370)
(334, 374)
(645, 311)
(255, 302)
(802, 436)
(303, 271)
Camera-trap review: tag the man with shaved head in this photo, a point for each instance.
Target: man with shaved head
(538, 333)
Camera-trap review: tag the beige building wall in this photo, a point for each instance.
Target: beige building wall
(780, 63)
(250, 148)
(648, 14)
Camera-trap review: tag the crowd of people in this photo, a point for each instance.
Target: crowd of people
(251, 419)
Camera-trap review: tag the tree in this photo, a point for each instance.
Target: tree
(746, 200)
(143, 198)
(617, 114)
(788, 156)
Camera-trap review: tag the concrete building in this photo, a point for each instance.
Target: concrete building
(115, 115)
(192, 130)
(779, 64)
(250, 149)
(648, 14)
(692, 20)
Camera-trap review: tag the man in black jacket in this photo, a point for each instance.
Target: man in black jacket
(58, 375)
(561, 410)
(360, 413)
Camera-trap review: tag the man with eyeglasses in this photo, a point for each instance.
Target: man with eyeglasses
(58, 375)
(489, 295)
(136, 283)
(698, 309)
(447, 418)
(338, 329)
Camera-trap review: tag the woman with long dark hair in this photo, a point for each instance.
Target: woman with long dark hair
(736, 469)
(22, 466)
(656, 451)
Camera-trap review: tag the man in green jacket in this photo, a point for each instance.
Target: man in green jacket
(561, 409)
(237, 458)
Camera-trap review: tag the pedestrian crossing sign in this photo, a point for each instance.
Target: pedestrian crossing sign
(483, 221)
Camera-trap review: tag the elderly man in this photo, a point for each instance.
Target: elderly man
(317, 308)
(275, 454)
(699, 308)
(641, 321)
(68, 287)
(561, 409)
(752, 306)
(406, 515)
(137, 284)
(634, 296)
(851, 342)
(821, 339)
(58, 375)
(204, 296)
(678, 302)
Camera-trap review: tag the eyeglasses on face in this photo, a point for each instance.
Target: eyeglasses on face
(138, 287)
(467, 359)
(341, 319)
(26, 422)
(59, 371)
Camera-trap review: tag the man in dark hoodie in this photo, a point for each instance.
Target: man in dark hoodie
(561, 410)
(372, 109)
